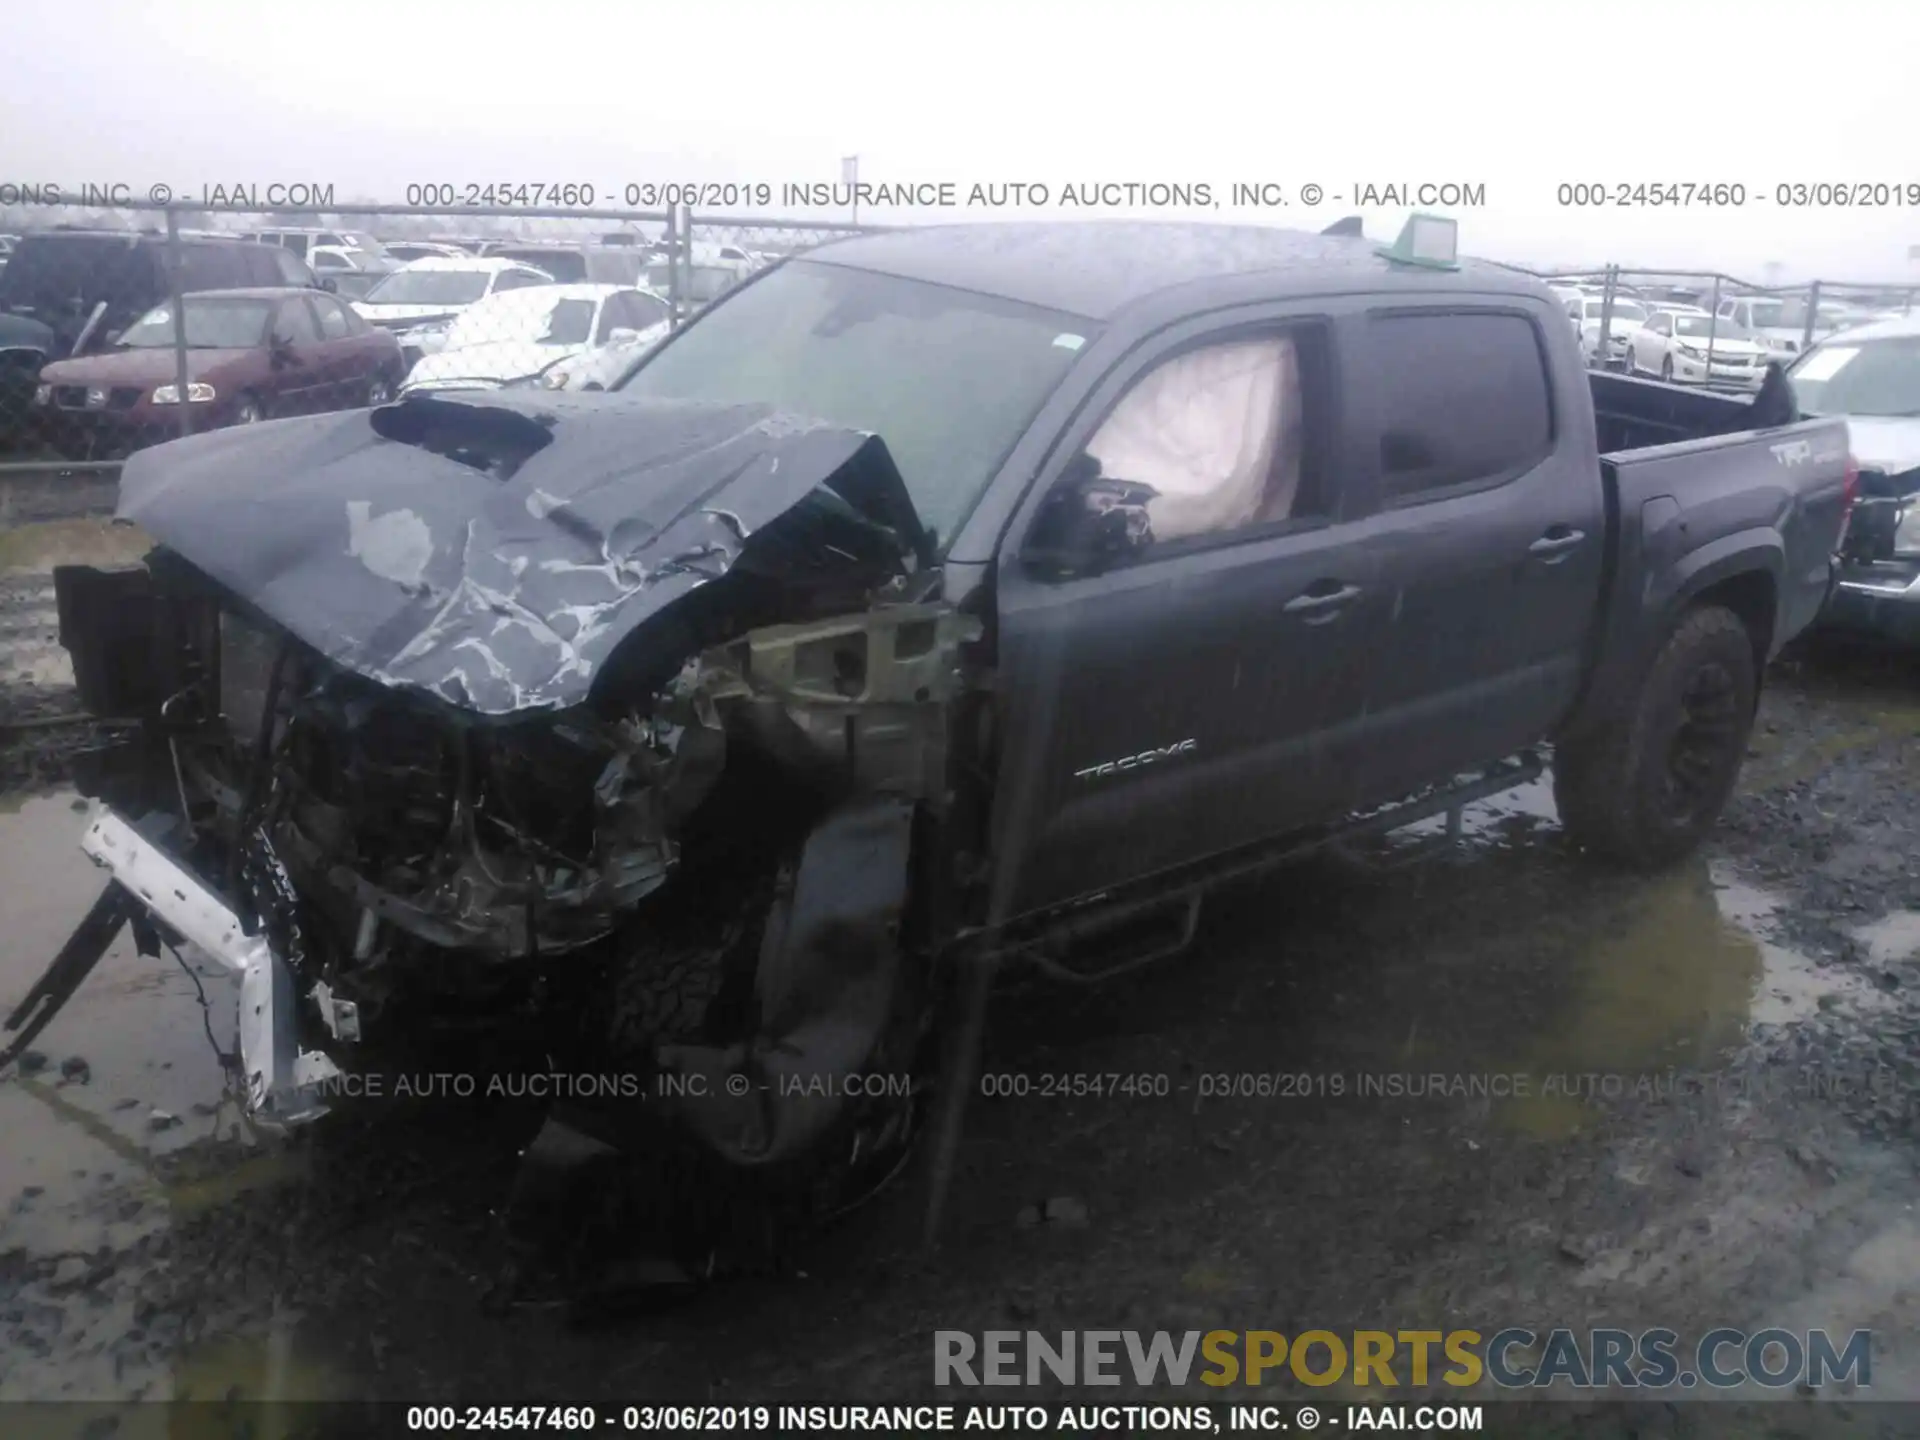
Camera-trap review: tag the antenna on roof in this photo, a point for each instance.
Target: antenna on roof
(1348, 226)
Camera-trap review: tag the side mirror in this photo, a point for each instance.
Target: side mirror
(1088, 523)
(113, 337)
(331, 286)
(280, 352)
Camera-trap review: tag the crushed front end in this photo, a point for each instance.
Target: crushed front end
(635, 735)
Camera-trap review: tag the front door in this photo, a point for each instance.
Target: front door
(1201, 693)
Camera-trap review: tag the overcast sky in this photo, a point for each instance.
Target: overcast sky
(1519, 97)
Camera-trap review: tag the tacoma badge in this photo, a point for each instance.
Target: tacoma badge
(1134, 762)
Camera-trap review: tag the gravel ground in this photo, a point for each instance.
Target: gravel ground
(1718, 1127)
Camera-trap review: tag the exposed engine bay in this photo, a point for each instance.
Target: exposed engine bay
(642, 728)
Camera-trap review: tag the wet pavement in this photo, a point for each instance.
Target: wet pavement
(1498, 1088)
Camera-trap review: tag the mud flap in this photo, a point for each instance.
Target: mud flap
(826, 984)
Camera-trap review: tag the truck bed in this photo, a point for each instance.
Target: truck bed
(1697, 482)
(1634, 414)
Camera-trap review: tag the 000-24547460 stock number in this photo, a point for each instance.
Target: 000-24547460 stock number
(584, 195)
(1074, 1085)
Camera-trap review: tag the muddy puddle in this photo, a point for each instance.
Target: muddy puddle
(124, 1080)
(1666, 997)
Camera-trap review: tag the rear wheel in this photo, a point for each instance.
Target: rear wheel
(250, 411)
(1645, 787)
(379, 390)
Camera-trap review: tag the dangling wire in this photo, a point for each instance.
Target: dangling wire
(230, 1064)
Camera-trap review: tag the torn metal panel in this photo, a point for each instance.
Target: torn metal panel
(493, 550)
(866, 694)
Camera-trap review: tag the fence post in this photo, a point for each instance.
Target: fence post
(671, 236)
(1713, 325)
(176, 264)
(1606, 314)
(1813, 309)
(686, 246)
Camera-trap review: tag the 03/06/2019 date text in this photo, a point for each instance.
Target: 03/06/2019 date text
(1734, 194)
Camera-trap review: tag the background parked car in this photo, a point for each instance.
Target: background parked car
(353, 284)
(302, 241)
(403, 251)
(579, 264)
(519, 333)
(599, 367)
(79, 288)
(1674, 344)
(1626, 316)
(1872, 376)
(251, 355)
(24, 347)
(419, 301)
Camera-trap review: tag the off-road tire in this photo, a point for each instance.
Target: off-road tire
(1611, 784)
(664, 997)
(665, 986)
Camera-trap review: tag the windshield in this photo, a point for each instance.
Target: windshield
(534, 316)
(697, 283)
(946, 378)
(1873, 377)
(429, 287)
(568, 266)
(211, 325)
(1793, 313)
(1622, 310)
(1700, 326)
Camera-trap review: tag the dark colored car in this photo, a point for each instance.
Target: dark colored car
(939, 598)
(24, 347)
(251, 355)
(84, 286)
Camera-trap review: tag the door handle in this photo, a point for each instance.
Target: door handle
(1318, 599)
(1553, 544)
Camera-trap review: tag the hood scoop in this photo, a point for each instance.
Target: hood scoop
(495, 442)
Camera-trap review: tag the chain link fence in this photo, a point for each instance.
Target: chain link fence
(1701, 327)
(122, 328)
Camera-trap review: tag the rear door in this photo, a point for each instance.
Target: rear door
(298, 371)
(344, 369)
(1202, 693)
(1489, 537)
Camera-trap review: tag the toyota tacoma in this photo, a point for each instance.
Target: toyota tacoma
(937, 598)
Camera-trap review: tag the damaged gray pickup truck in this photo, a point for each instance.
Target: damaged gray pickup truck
(938, 598)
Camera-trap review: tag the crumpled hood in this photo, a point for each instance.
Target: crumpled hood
(494, 548)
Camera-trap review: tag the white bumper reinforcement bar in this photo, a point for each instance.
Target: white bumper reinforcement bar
(282, 1080)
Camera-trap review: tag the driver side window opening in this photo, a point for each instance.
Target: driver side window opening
(1220, 433)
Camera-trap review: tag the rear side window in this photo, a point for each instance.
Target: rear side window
(333, 318)
(1463, 400)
